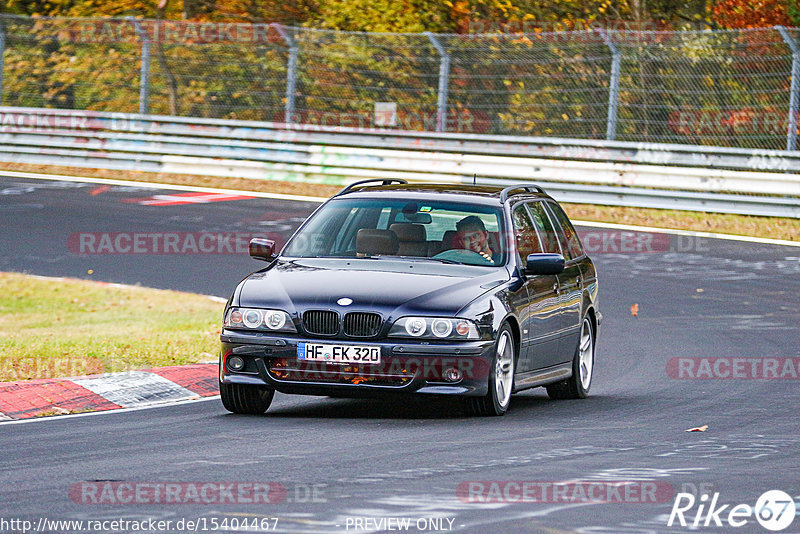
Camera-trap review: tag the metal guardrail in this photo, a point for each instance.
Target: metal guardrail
(728, 180)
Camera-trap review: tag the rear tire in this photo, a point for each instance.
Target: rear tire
(577, 386)
(245, 398)
(501, 379)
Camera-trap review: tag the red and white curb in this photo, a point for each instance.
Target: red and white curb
(110, 391)
(187, 198)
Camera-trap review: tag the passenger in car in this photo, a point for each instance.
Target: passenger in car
(471, 234)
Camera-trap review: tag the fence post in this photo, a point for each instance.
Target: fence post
(791, 134)
(613, 87)
(444, 81)
(291, 71)
(2, 54)
(144, 73)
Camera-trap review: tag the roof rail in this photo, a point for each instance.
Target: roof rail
(384, 181)
(504, 194)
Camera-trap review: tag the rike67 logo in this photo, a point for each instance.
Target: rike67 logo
(774, 510)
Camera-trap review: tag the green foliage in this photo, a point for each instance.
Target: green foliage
(38, 8)
(458, 16)
(382, 16)
(793, 10)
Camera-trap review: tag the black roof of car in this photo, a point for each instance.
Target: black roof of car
(485, 193)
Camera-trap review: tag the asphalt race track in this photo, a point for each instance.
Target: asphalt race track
(345, 465)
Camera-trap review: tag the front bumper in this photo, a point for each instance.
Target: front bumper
(406, 366)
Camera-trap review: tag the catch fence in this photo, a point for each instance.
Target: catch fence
(732, 88)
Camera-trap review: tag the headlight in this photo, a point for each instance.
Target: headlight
(253, 318)
(416, 326)
(441, 327)
(274, 319)
(258, 319)
(434, 328)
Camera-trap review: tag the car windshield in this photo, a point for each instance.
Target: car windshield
(417, 230)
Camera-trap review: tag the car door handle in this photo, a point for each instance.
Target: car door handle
(576, 284)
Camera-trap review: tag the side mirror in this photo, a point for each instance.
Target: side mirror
(262, 249)
(544, 264)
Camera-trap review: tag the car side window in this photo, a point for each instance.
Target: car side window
(570, 241)
(525, 233)
(545, 227)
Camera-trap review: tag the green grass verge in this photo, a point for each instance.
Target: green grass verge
(51, 328)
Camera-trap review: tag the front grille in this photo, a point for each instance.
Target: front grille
(395, 374)
(358, 324)
(321, 323)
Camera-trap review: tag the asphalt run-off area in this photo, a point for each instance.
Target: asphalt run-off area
(697, 333)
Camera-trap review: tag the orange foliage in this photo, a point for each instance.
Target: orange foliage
(751, 13)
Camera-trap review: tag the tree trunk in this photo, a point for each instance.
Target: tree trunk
(172, 81)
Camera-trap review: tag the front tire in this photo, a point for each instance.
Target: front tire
(577, 386)
(501, 379)
(245, 398)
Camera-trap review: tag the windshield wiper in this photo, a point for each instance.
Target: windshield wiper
(390, 257)
(440, 260)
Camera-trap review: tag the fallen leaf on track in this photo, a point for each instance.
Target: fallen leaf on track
(98, 190)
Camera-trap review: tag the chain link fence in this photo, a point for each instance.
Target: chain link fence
(722, 88)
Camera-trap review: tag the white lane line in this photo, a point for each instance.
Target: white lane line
(134, 388)
(301, 198)
(108, 412)
(691, 233)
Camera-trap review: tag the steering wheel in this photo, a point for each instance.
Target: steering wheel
(463, 256)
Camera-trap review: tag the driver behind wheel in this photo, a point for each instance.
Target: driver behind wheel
(471, 235)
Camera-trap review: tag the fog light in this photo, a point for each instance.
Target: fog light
(235, 363)
(452, 374)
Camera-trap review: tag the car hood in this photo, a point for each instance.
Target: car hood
(391, 287)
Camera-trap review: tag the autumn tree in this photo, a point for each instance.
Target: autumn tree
(754, 13)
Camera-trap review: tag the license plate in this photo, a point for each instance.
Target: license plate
(318, 352)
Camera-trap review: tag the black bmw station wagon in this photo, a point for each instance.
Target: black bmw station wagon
(396, 288)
